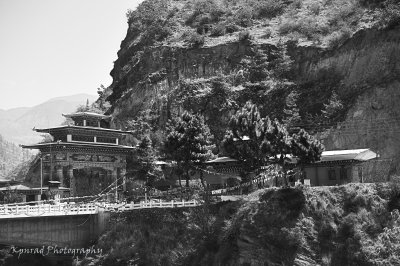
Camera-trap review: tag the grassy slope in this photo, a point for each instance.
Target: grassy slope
(345, 225)
(265, 26)
(321, 22)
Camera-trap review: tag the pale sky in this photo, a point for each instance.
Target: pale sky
(51, 48)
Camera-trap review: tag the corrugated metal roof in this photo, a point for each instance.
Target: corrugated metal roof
(222, 160)
(16, 187)
(343, 155)
(326, 156)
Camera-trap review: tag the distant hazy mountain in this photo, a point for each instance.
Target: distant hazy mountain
(11, 156)
(16, 124)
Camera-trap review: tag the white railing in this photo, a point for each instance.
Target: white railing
(243, 185)
(151, 204)
(10, 211)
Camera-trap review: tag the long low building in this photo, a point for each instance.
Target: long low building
(334, 168)
(339, 167)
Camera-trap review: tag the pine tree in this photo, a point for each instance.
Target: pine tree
(257, 141)
(188, 142)
(292, 116)
(306, 148)
(333, 108)
(145, 158)
(246, 135)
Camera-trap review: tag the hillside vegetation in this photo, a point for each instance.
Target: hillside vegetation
(329, 66)
(356, 224)
(323, 62)
(12, 158)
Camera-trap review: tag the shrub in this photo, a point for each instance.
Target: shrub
(203, 29)
(269, 8)
(193, 38)
(231, 28)
(218, 30)
(353, 202)
(390, 16)
(205, 11)
(394, 197)
(267, 33)
(156, 33)
(314, 7)
(337, 38)
(371, 3)
(243, 17)
(244, 35)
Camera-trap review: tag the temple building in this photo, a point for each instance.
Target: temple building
(85, 156)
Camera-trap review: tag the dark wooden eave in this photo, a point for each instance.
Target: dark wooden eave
(86, 128)
(61, 146)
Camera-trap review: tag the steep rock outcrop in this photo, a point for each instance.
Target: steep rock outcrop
(153, 73)
(369, 65)
(365, 72)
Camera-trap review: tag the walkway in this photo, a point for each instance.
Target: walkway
(63, 209)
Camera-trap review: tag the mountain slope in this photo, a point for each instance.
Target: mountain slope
(224, 53)
(11, 156)
(16, 124)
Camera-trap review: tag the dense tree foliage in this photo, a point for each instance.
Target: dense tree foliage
(259, 141)
(188, 142)
(144, 162)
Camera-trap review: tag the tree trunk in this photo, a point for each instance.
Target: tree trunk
(187, 178)
(284, 174)
(202, 180)
(180, 181)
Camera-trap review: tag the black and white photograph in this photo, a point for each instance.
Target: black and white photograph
(199, 132)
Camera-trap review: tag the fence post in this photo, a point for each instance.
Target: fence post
(172, 203)
(183, 203)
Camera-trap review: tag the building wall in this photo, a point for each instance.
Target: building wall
(319, 175)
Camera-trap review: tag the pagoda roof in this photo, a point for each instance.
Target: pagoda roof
(87, 114)
(77, 144)
(48, 130)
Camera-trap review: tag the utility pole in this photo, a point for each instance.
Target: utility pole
(145, 189)
(116, 190)
(41, 176)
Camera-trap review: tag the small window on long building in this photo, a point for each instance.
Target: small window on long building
(360, 173)
(331, 174)
(343, 173)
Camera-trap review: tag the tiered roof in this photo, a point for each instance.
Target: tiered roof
(86, 135)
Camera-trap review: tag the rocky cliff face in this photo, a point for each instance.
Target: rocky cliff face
(367, 64)
(150, 78)
(364, 71)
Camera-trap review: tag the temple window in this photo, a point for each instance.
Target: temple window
(91, 123)
(106, 140)
(82, 138)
